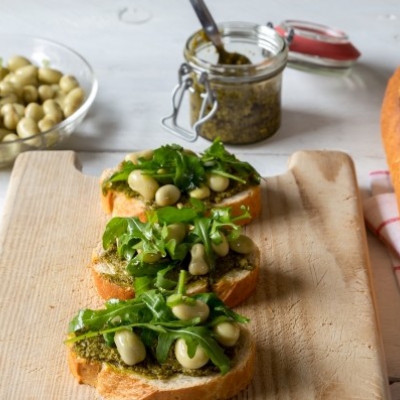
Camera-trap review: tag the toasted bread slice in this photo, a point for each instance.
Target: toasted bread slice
(118, 204)
(119, 384)
(232, 288)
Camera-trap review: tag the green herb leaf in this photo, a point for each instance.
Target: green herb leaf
(222, 162)
(124, 310)
(162, 282)
(143, 284)
(156, 303)
(218, 308)
(173, 215)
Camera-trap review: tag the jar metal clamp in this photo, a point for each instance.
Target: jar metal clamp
(170, 123)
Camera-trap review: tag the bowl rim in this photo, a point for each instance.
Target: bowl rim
(83, 108)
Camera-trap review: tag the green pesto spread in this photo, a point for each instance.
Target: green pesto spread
(121, 277)
(96, 349)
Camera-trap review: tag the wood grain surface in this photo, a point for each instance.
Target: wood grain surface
(313, 313)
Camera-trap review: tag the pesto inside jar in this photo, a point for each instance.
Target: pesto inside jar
(248, 96)
(246, 113)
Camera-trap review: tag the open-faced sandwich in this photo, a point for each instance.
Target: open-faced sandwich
(162, 345)
(136, 256)
(171, 175)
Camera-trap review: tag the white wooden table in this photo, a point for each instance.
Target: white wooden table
(135, 48)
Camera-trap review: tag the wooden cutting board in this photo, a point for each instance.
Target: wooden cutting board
(313, 313)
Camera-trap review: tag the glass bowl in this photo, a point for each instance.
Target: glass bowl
(43, 52)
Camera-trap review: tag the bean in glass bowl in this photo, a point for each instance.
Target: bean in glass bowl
(46, 90)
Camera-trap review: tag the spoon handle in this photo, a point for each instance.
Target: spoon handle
(207, 21)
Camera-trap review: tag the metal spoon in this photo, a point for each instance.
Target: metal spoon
(211, 30)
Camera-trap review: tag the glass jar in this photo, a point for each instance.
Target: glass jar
(237, 103)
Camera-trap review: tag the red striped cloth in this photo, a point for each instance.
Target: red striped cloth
(381, 215)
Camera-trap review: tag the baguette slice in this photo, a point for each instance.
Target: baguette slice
(115, 384)
(390, 130)
(232, 288)
(117, 204)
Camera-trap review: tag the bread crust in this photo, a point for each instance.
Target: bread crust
(390, 130)
(233, 288)
(119, 205)
(116, 384)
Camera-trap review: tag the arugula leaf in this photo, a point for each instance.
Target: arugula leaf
(142, 284)
(172, 215)
(156, 303)
(115, 228)
(164, 344)
(107, 331)
(162, 282)
(218, 308)
(125, 310)
(221, 162)
(137, 269)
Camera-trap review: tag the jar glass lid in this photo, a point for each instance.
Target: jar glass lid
(317, 47)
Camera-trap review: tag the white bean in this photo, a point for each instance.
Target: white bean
(67, 83)
(217, 182)
(29, 94)
(75, 97)
(130, 347)
(242, 245)
(221, 249)
(10, 98)
(167, 195)
(46, 123)
(49, 75)
(146, 154)
(176, 231)
(26, 75)
(227, 333)
(143, 184)
(199, 359)
(53, 110)
(68, 109)
(11, 119)
(13, 148)
(46, 92)
(6, 88)
(28, 127)
(201, 192)
(186, 312)
(198, 265)
(34, 111)
(10, 137)
(16, 62)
